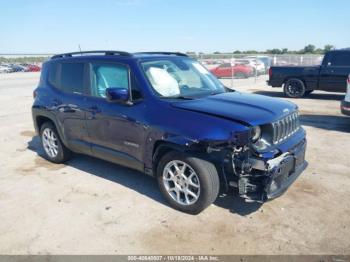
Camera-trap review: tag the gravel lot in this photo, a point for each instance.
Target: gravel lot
(93, 207)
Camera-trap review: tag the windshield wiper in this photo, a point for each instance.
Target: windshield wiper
(177, 97)
(216, 93)
(229, 90)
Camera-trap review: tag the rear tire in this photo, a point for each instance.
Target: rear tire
(179, 173)
(294, 88)
(55, 150)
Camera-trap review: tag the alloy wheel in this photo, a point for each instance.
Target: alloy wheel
(181, 182)
(50, 142)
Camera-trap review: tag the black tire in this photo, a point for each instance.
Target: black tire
(63, 153)
(208, 180)
(308, 92)
(294, 88)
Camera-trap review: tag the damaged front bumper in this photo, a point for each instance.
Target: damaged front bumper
(268, 179)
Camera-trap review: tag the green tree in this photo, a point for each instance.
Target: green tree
(274, 51)
(284, 50)
(328, 48)
(251, 52)
(319, 51)
(237, 52)
(309, 49)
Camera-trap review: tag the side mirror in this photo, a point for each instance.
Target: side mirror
(114, 94)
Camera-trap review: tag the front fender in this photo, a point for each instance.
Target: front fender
(158, 144)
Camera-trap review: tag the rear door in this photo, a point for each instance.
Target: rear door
(334, 71)
(68, 101)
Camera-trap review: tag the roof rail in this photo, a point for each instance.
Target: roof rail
(104, 52)
(161, 53)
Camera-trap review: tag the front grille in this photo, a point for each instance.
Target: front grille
(285, 127)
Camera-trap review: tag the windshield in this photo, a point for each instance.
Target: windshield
(181, 77)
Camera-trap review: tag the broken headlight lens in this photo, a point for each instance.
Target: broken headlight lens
(255, 133)
(260, 145)
(258, 141)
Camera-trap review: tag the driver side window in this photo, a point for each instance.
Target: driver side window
(104, 76)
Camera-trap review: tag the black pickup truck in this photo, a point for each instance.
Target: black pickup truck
(298, 81)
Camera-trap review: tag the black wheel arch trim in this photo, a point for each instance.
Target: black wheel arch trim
(37, 113)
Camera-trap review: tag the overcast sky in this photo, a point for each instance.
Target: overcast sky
(40, 26)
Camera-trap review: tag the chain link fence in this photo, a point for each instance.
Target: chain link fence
(243, 69)
(231, 69)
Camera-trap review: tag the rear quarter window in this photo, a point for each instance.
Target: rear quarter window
(53, 74)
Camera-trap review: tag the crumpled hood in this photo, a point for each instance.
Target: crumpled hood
(248, 109)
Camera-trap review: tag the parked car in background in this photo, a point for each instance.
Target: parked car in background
(4, 68)
(345, 104)
(17, 68)
(14, 67)
(266, 60)
(237, 70)
(166, 115)
(298, 81)
(32, 67)
(257, 65)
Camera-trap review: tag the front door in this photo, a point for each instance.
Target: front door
(114, 129)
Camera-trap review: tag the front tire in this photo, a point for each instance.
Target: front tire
(294, 88)
(188, 183)
(55, 150)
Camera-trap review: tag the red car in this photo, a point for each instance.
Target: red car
(31, 68)
(237, 70)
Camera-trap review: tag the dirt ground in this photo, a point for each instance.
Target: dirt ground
(89, 206)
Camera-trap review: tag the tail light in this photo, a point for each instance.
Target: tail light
(34, 94)
(270, 72)
(348, 80)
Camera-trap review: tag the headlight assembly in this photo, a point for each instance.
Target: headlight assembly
(260, 145)
(257, 138)
(255, 133)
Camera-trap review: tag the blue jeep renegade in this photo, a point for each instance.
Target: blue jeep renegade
(165, 115)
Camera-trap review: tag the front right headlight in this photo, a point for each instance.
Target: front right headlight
(260, 145)
(257, 139)
(255, 133)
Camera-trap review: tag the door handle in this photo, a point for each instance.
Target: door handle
(67, 109)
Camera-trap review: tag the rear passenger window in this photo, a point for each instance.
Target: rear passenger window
(340, 59)
(72, 77)
(108, 75)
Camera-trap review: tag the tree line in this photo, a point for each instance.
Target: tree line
(308, 49)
